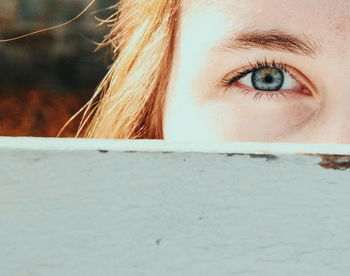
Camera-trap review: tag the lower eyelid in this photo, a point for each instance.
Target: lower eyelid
(272, 95)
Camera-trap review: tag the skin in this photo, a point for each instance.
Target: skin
(198, 106)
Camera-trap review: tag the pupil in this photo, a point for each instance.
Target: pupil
(268, 78)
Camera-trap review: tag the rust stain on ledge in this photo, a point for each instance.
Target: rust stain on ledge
(333, 161)
(336, 162)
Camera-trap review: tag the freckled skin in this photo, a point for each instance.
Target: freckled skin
(198, 109)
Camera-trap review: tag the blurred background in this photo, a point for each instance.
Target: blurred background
(48, 77)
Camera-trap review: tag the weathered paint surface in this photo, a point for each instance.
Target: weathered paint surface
(88, 207)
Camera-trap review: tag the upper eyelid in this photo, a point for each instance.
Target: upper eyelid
(258, 65)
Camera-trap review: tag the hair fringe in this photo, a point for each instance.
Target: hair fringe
(128, 103)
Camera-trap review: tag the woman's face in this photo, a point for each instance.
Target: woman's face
(261, 71)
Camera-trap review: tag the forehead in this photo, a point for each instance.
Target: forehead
(323, 17)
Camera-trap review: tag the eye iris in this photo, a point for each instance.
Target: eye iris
(268, 79)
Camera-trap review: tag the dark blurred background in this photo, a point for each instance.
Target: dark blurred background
(47, 77)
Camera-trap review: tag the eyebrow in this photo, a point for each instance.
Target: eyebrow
(272, 40)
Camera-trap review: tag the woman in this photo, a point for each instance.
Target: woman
(226, 70)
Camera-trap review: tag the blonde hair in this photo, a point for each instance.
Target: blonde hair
(129, 102)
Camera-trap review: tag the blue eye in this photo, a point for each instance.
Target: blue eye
(267, 79)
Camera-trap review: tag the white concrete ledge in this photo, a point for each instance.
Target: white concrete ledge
(162, 145)
(135, 208)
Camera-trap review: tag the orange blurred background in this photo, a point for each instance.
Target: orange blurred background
(38, 113)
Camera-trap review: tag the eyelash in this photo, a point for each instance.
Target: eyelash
(257, 95)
